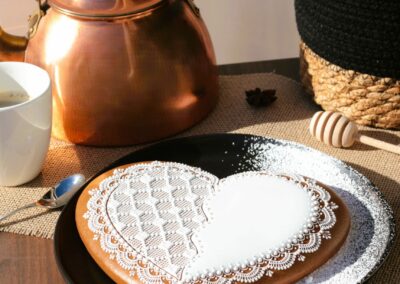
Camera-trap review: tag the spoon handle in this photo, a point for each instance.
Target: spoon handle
(17, 210)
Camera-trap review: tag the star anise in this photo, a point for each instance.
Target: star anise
(260, 98)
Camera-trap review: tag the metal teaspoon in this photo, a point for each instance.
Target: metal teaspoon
(57, 196)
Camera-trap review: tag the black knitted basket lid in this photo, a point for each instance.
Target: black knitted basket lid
(360, 35)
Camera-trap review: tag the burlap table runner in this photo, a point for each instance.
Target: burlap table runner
(287, 118)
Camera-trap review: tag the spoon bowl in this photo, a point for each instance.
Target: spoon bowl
(56, 197)
(66, 188)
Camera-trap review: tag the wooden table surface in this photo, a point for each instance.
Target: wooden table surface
(25, 259)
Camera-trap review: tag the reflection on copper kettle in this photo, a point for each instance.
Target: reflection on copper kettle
(123, 71)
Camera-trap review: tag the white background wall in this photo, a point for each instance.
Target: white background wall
(242, 30)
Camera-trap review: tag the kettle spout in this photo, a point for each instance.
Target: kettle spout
(12, 48)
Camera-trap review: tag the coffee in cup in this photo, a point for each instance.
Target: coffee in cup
(25, 121)
(11, 98)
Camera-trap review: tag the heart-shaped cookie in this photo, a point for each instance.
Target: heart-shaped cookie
(162, 222)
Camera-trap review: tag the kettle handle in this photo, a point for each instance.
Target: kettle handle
(194, 7)
(35, 18)
(12, 48)
(18, 42)
(12, 42)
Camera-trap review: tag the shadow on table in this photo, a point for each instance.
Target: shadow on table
(71, 159)
(383, 135)
(6, 223)
(230, 114)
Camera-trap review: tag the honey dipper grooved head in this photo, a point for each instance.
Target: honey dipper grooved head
(333, 129)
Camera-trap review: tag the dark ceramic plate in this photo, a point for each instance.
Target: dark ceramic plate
(372, 230)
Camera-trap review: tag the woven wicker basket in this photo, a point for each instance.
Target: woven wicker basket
(366, 99)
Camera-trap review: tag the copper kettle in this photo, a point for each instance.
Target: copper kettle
(123, 71)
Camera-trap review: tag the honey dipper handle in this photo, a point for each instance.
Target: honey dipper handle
(378, 144)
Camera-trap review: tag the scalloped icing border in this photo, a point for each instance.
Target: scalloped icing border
(306, 241)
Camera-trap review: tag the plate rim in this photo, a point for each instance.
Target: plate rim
(373, 187)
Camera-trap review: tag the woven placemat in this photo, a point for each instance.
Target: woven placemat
(287, 118)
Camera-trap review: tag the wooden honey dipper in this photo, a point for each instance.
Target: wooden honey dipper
(336, 130)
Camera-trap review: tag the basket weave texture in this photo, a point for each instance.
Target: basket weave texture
(365, 99)
(360, 35)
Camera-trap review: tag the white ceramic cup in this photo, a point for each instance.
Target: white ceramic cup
(25, 128)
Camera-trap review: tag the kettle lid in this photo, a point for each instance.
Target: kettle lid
(103, 8)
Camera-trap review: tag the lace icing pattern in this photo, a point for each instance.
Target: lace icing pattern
(144, 217)
(149, 231)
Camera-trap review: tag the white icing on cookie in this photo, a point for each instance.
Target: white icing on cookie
(175, 223)
(252, 215)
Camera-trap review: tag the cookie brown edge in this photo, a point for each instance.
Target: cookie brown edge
(109, 266)
(328, 248)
